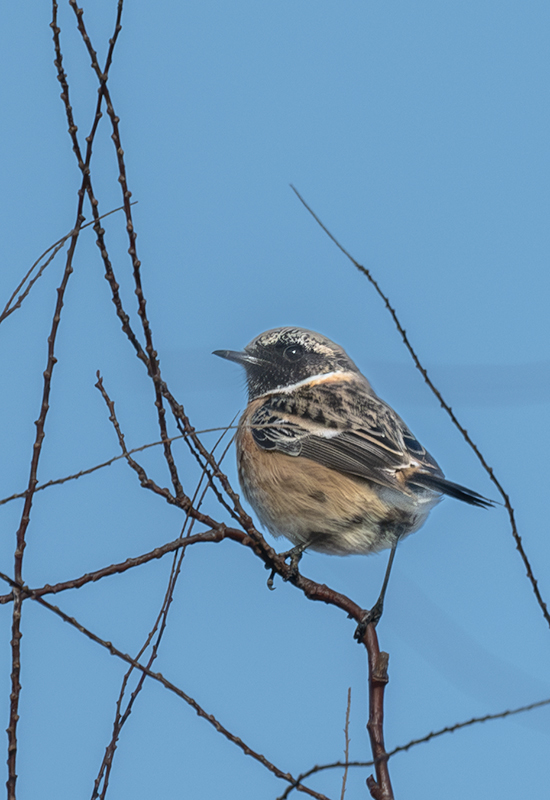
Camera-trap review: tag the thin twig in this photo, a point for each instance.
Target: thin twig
(473, 721)
(37, 448)
(149, 356)
(212, 536)
(121, 717)
(181, 500)
(346, 747)
(40, 423)
(56, 247)
(154, 366)
(160, 625)
(89, 470)
(144, 479)
(489, 470)
(403, 748)
(157, 676)
(272, 561)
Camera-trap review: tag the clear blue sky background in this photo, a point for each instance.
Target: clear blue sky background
(419, 133)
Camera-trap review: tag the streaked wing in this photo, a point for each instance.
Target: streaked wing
(375, 451)
(271, 432)
(355, 454)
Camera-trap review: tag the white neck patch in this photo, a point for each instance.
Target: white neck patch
(313, 380)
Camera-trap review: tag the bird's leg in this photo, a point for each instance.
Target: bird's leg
(375, 613)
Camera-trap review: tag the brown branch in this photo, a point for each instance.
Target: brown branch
(215, 536)
(489, 470)
(157, 676)
(403, 748)
(380, 788)
(145, 481)
(9, 309)
(173, 688)
(33, 480)
(473, 721)
(99, 230)
(149, 358)
(154, 367)
(208, 464)
(318, 592)
(76, 475)
(160, 625)
(56, 247)
(89, 470)
(182, 500)
(272, 561)
(40, 423)
(121, 717)
(346, 748)
(188, 432)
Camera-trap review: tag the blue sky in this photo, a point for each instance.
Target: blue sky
(418, 133)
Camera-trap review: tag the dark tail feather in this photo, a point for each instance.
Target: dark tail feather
(452, 489)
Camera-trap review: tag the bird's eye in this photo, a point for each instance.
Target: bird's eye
(293, 352)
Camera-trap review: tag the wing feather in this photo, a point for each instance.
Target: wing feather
(375, 452)
(353, 432)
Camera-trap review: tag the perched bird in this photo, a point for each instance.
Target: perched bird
(322, 459)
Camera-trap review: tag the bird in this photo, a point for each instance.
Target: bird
(323, 460)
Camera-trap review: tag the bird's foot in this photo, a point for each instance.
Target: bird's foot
(295, 556)
(371, 618)
(270, 581)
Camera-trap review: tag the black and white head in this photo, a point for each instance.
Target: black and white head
(283, 357)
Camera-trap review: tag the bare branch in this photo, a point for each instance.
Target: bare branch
(380, 788)
(346, 747)
(272, 561)
(89, 470)
(145, 481)
(473, 721)
(403, 748)
(154, 367)
(116, 569)
(40, 423)
(157, 676)
(489, 470)
(160, 625)
(149, 357)
(25, 516)
(56, 247)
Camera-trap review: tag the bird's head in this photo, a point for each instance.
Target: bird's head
(280, 358)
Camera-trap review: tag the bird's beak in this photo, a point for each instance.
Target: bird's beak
(242, 357)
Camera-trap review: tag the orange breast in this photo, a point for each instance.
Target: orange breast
(299, 498)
